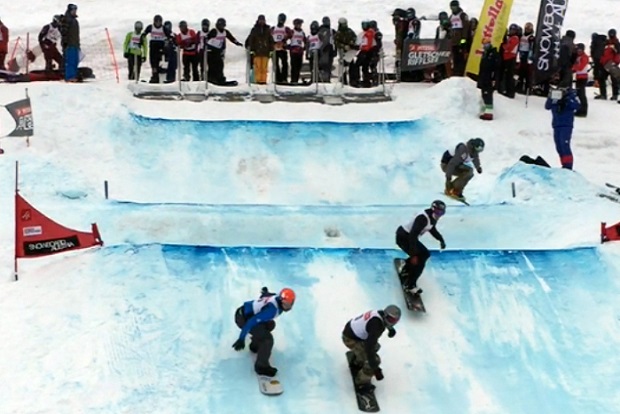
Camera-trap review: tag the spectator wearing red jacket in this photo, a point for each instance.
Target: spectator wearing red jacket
(4, 44)
(509, 57)
(610, 61)
(580, 68)
(187, 39)
(368, 44)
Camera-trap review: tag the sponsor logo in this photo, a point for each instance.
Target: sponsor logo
(549, 41)
(25, 214)
(426, 55)
(32, 231)
(44, 247)
(489, 28)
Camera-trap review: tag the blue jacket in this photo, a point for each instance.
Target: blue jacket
(267, 313)
(563, 110)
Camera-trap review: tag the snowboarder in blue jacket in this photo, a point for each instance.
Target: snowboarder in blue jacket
(256, 317)
(563, 113)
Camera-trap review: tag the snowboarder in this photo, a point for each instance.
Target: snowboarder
(134, 50)
(187, 39)
(159, 35)
(407, 238)
(260, 44)
(281, 36)
(256, 317)
(48, 38)
(563, 117)
(459, 29)
(466, 157)
(70, 31)
(296, 50)
(313, 50)
(202, 45)
(361, 335)
(216, 51)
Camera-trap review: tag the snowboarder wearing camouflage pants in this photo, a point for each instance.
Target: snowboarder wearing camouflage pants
(256, 317)
(466, 157)
(361, 335)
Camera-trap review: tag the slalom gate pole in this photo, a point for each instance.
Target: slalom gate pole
(15, 268)
(114, 63)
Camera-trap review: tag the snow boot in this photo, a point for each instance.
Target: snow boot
(267, 371)
(486, 117)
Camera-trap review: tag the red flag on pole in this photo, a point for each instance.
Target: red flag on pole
(38, 235)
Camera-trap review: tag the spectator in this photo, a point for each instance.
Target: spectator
(597, 47)
(48, 38)
(399, 20)
(71, 43)
(526, 50)
(610, 61)
(509, 60)
(4, 44)
(487, 75)
(260, 44)
(134, 50)
(581, 76)
(567, 59)
(563, 118)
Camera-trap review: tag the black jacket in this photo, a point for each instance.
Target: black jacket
(489, 67)
(70, 31)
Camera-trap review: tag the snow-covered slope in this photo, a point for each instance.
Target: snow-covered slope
(144, 324)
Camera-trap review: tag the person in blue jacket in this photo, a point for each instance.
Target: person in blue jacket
(563, 117)
(256, 317)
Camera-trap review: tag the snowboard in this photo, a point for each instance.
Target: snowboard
(267, 385)
(613, 187)
(414, 302)
(366, 400)
(459, 199)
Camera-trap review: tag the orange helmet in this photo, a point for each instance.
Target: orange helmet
(287, 297)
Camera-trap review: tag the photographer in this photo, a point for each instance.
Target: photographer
(563, 104)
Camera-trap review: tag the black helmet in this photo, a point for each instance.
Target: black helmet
(138, 26)
(281, 18)
(158, 18)
(221, 22)
(611, 33)
(455, 3)
(314, 26)
(443, 15)
(182, 24)
(438, 208)
(581, 46)
(411, 12)
(205, 22)
(372, 24)
(477, 144)
(326, 21)
(391, 315)
(298, 21)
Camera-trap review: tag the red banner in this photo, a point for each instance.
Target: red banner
(38, 235)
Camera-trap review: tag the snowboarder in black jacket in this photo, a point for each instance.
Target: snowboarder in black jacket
(407, 238)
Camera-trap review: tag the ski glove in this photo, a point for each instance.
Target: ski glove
(239, 345)
(479, 169)
(391, 332)
(378, 374)
(442, 245)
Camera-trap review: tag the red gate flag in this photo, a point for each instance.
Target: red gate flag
(37, 235)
